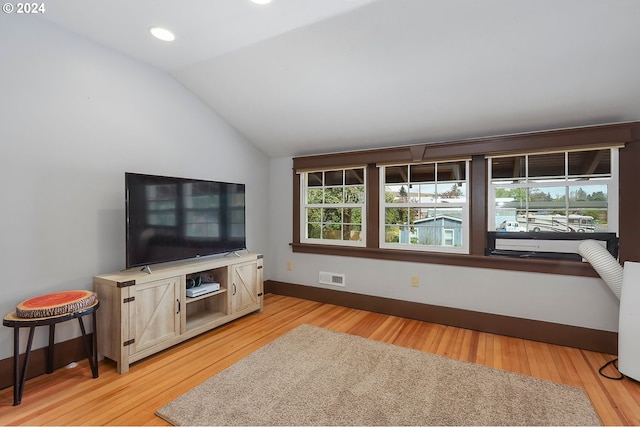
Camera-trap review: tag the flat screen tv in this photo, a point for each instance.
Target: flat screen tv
(170, 219)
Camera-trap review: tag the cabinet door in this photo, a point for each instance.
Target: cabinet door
(244, 287)
(154, 314)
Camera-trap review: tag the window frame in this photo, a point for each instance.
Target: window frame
(626, 136)
(343, 205)
(464, 206)
(446, 238)
(567, 181)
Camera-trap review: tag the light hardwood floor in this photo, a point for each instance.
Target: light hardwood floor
(72, 397)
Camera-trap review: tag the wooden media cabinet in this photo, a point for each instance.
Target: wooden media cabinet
(142, 312)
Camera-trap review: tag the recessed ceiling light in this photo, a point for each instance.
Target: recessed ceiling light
(162, 34)
(261, 1)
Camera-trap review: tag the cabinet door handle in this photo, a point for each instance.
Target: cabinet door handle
(234, 288)
(178, 305)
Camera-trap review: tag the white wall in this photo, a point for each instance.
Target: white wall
(74, 117)
(577, 301)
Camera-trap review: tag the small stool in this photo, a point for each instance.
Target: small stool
(50, 310)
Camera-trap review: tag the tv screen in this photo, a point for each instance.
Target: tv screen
(171, 219)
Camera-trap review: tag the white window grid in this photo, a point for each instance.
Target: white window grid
(305, 205)
(568, 181)
(448, 204)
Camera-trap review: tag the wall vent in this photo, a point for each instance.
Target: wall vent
(334, 279)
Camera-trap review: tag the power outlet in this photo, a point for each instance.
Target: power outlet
(289, 266)
(415, 281)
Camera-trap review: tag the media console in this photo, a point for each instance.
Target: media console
(143, 313)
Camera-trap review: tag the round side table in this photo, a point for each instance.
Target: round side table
(12, 320)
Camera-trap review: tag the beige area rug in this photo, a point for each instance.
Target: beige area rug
(313, 376)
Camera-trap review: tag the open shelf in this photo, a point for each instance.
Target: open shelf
(203, 318)
(207, 308)
(209, 295)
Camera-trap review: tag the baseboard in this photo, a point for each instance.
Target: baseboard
(64, 353)
(552, 333)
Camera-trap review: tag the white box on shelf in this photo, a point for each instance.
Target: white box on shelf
(204, 288)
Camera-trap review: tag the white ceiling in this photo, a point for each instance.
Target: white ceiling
(301, 77)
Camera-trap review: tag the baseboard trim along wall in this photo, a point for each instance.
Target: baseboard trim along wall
(535, 330)
(64, 353)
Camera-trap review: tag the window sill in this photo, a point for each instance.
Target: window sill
(570, 268)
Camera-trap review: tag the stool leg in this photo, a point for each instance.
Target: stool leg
(87, 349)
(18, 385)
(95, 344)
(52, 333)
(16, 366)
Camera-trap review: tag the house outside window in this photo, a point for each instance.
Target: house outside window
(418, 202)
(334, 206)
(567, 191)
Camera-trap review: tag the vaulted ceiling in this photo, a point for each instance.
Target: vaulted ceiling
(301, 77)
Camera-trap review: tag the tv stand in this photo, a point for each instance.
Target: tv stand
(232, 253)
(146, 269)
(144, 312)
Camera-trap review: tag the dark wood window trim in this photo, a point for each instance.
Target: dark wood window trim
(621, 134)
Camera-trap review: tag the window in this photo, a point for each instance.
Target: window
(576, 180)
(334, 206)
(201, 210)
(569, 191)
(448, 237)
(161, 203)
(424, 206)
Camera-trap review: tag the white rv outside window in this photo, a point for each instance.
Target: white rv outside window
(566, 191)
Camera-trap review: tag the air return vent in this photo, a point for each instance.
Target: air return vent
(334, 279)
